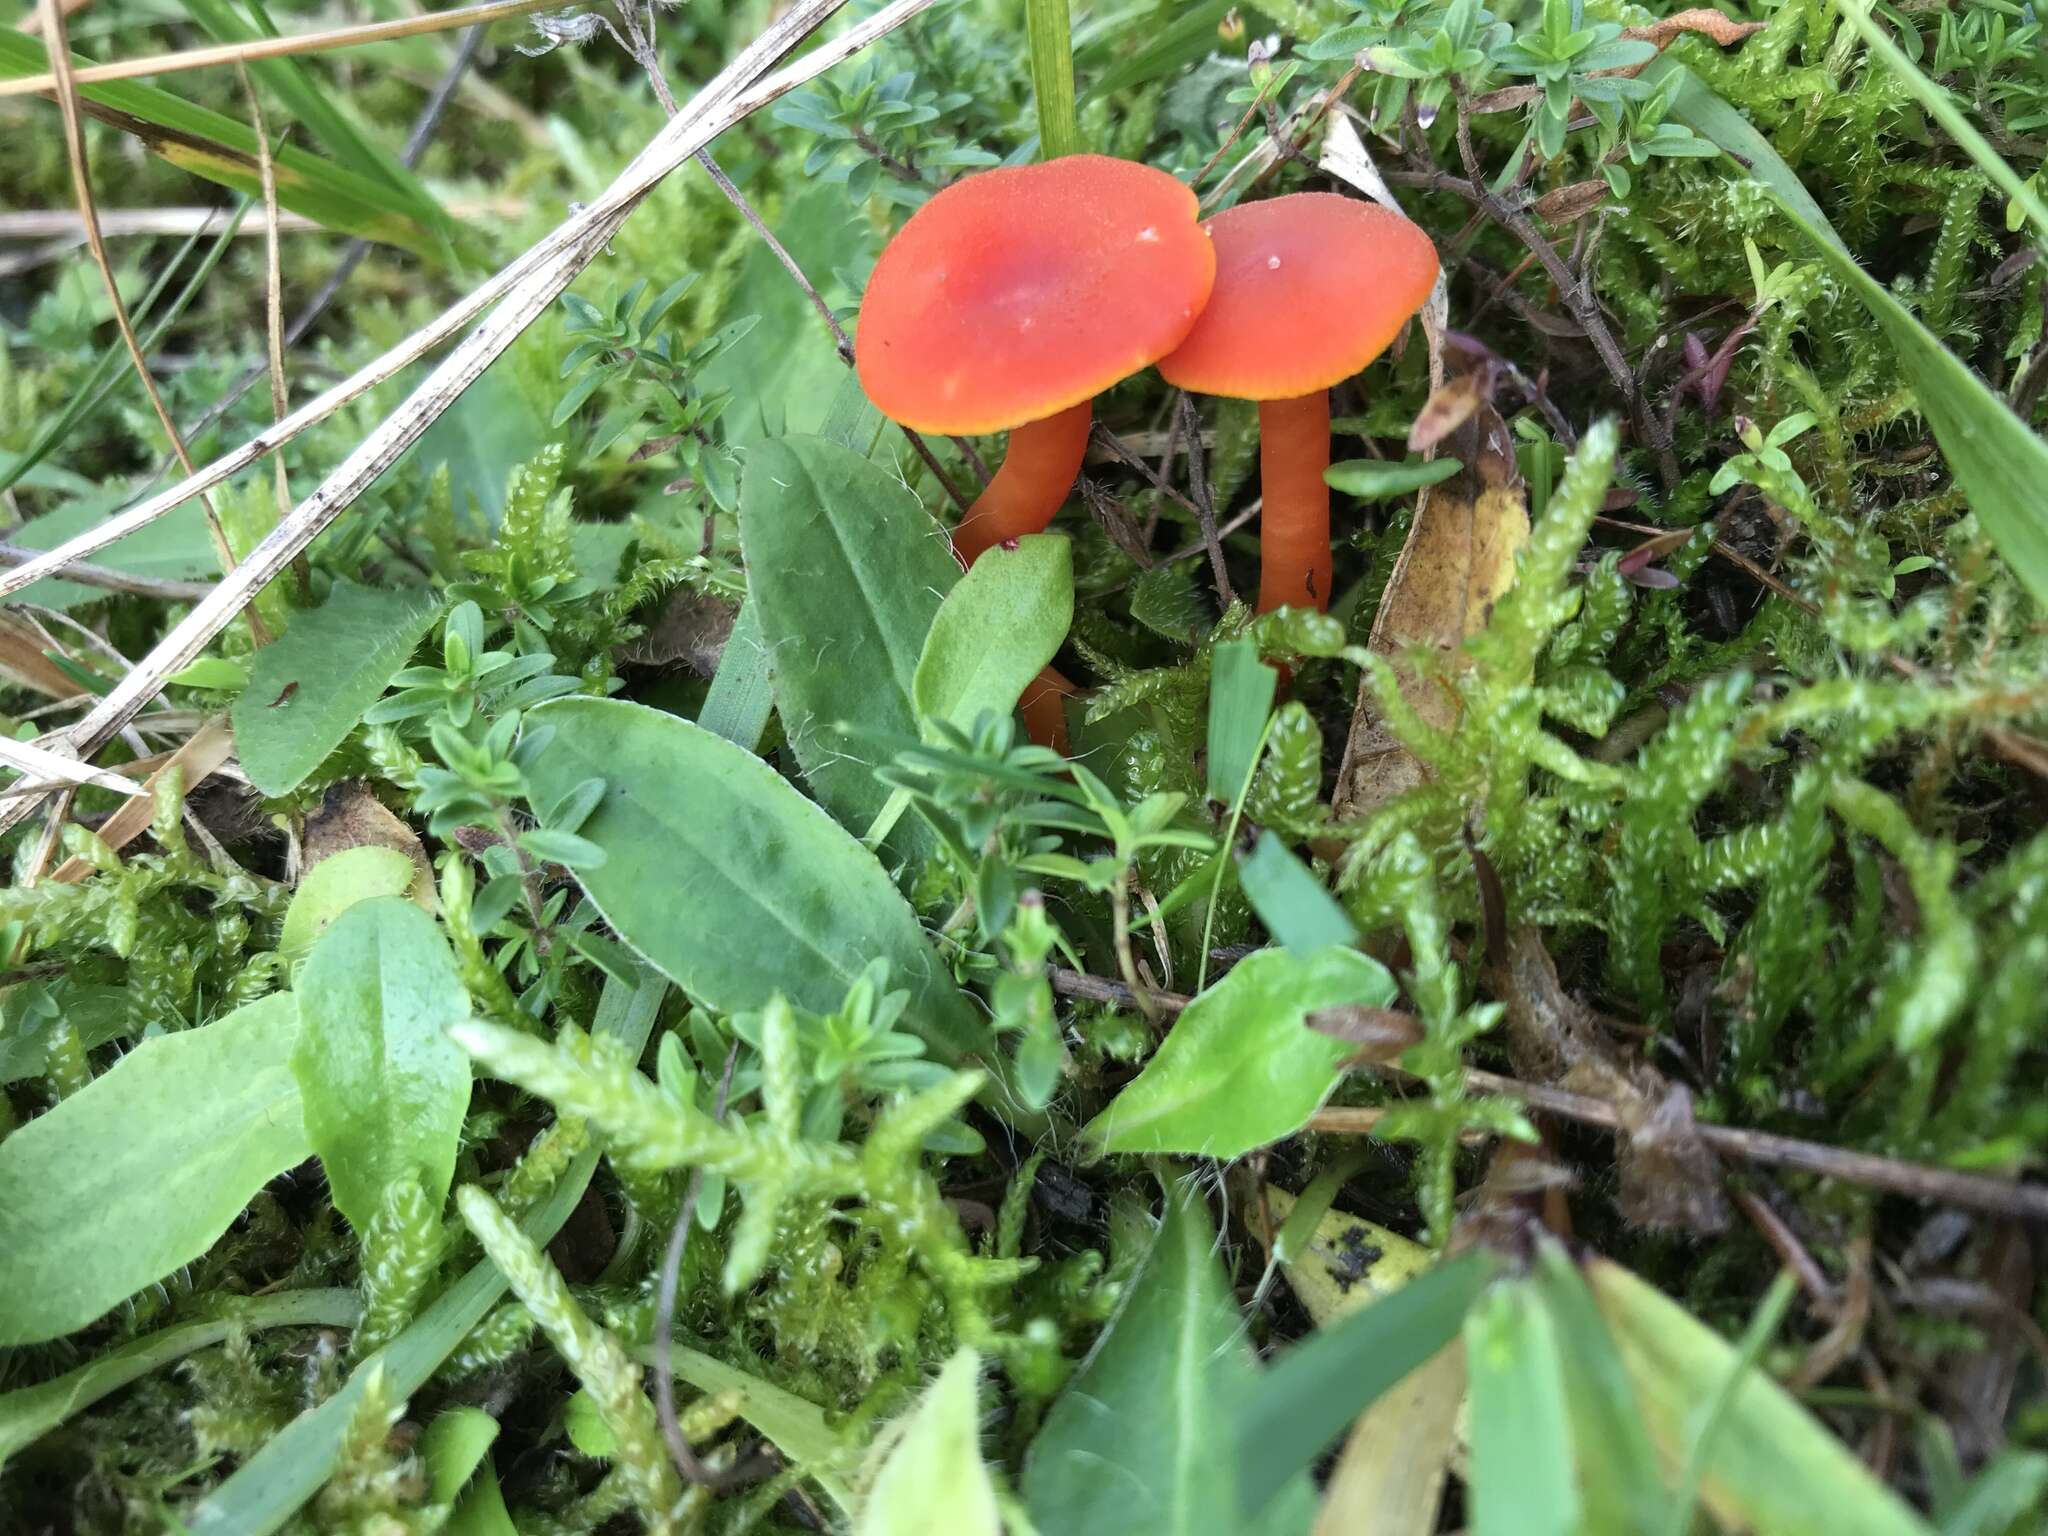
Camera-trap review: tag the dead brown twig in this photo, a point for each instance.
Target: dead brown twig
(2004, 1197)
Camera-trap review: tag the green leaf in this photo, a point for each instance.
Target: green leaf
(845, 571)
(1376, 479)
(586, 1428)
(1291, 901)
(785, 374)
(29, 1413)
(728, 880)
(933, 1482)
(319, 107)
(1998, 460)
(1241, 689)
(1521, 1473)
(176, 547)
(453, 1447)
(797, 1427)
(31, 1010)
(1241, 1068)
(385, 1089)
(1136, 1442)
(143, 1170)
(742, 692)
(1771, 1467)
(996, 631)
(1302, 1402)
(269, 1487)
(309, 687)
(1617, 1465)
(337, 883)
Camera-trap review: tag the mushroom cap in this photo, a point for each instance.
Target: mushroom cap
(1310, 288)
(1017, 293)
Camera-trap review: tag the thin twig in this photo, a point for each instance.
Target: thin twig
(269, 47)
(106, 577)
(750, 1468)
(1205, 508)
(353, 253)
(2003, 1197)
(1577, 298)
(534, 283)
(639, 42)
(81, 179)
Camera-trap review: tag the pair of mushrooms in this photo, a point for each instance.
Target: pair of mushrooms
(1013, 298)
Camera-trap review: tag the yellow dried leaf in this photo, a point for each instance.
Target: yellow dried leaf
(1458, 562)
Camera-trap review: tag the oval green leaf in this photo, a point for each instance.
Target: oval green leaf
(385, 1088)
(143, 1170)
(727, 879)
(309, 687)
(933, 1482)
(337, 883)
(996, 631)
(845, 570)
(1377, 479)
(1241, 1068)
(1140, 1438)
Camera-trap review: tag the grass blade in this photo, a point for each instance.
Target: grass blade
(1999, 461)
(269, 1487)
(1052, 78)
(1304, 1401)
(221, 150)
(1941, 106)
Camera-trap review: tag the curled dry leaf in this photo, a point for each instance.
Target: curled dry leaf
(1569, 204)
(203, 752)
(691, 628)
(351, 817)
(1669, 1176)
(1723, 31)
(1458, 561)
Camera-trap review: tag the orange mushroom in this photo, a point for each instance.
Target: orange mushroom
(1007, 303)
(1310, 289)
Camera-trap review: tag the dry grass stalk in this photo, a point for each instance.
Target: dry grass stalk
(527, 287)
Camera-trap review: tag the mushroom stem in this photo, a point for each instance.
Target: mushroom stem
(1044, 458)
(1294, 525)
(1045, 709)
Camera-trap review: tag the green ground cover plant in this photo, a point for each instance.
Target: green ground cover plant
(561, 975)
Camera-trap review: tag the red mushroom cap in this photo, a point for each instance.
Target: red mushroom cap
(1017, 293)
(1309, 289)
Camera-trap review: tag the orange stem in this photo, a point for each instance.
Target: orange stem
(1032, 485)
(1294, 525)
(1045, 709)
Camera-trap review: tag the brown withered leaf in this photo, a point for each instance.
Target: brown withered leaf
(22, 658)
(1567, 205)
(1381, 1034)
(350, 816)
(202, 752)
(1669, 1178)
(691, 628)
(1449, 406)
(1722, 31)
(1458, 561)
